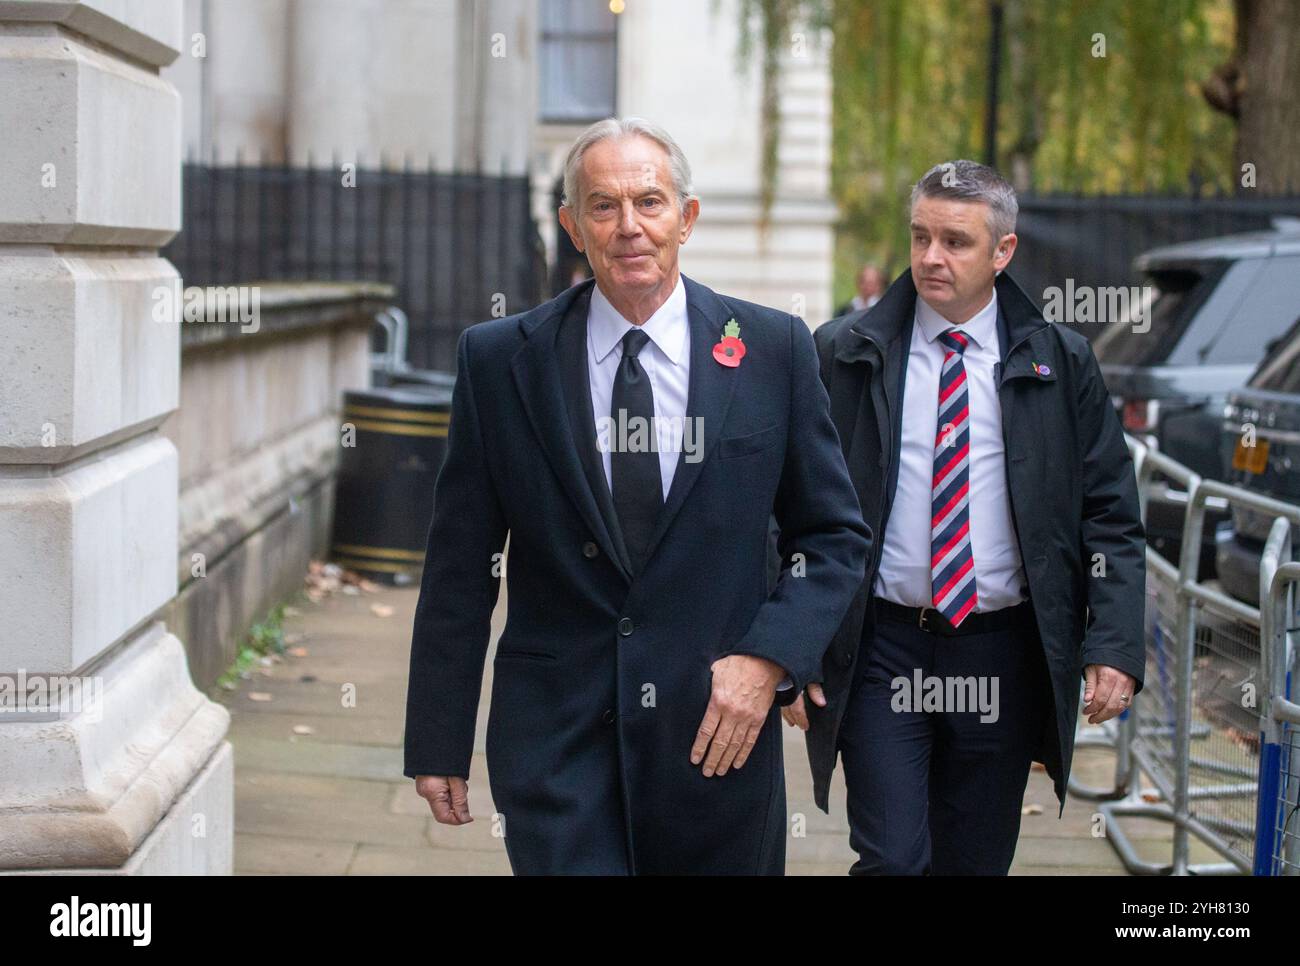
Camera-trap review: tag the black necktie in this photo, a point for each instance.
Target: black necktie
(634, 470)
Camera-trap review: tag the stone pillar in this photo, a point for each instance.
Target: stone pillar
(245, 74)
(370, 79)
(507, 45)
(449, 80)
(129, 772)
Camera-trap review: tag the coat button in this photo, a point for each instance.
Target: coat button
(590, 550)
(608, 716)
(625, 626)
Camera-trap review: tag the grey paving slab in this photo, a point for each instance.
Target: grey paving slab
(286, 855)
(382, 860)
(319, 788)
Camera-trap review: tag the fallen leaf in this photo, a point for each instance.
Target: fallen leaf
(381, 610)
(259, 696)
(1033, 808)
(303, 730)
(297, 652)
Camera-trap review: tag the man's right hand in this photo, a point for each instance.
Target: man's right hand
(796, 714)
(448, 797)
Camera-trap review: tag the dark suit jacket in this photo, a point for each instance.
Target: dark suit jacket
(1070, 482)
(602, 677)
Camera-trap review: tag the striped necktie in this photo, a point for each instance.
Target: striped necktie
(952, 567)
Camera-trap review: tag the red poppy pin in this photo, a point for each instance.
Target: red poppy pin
(730, 350)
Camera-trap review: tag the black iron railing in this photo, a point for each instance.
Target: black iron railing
(458, 247)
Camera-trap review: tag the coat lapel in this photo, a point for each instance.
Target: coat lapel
(707, 400)
(1024, 342)
(880, 336)
(537, 372)
(575, 380)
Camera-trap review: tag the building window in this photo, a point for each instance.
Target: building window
(577, 61)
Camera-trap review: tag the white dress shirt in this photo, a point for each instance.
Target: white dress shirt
(666, 360)
(904, 573)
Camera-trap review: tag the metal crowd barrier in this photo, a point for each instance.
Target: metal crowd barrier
(1277, 842)
(1199, 726)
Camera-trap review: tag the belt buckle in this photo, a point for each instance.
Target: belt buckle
(922, 619)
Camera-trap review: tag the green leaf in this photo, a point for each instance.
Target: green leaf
(731, 330)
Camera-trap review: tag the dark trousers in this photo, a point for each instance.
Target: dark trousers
(933, 790)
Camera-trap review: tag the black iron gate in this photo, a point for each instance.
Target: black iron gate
(458, 247)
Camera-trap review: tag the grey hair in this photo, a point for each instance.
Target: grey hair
(969, 181)
(621, 127)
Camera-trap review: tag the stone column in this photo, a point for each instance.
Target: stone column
(449, 80)
(507, 73)
(129, 771)
(370, 79)
(245, 74)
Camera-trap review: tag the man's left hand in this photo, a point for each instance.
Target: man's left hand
(1107, 692)
(743, 689)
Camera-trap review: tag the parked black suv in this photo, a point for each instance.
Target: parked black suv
(1217, 304)
(1261, 444)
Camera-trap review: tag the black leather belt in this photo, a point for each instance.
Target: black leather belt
(929, 619)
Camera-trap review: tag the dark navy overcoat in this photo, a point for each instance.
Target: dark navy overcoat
(602, 676)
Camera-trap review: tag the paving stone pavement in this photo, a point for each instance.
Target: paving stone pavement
(319, 786)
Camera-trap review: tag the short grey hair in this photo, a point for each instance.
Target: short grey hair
(970, 181)
(621, 127)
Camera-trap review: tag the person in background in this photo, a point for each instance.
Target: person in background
(871, 285)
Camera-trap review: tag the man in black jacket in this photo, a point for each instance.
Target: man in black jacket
(1009, 554)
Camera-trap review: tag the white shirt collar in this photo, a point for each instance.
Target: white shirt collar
(981, 327)
(666, 328)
